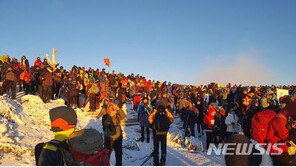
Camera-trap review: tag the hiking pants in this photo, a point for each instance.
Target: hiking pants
(142, 133)
(73, 101)
(200, 127)
(192, 131)
(117, 146)
(56, 90)
(27, 88)
(10, 85)
(46, 92)
(162, 139)
(210, 138)
(92, 102)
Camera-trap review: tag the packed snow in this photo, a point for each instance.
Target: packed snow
(25, 122)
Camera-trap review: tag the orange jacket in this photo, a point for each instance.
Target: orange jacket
(152, 118)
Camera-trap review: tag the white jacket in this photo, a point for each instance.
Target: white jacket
(231, 119)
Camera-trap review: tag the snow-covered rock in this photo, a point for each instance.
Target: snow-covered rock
(31, 99)
(25, 123)
(58, 101)
(193, 144)
(130, 145)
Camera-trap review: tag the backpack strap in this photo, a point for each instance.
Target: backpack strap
(67, 157)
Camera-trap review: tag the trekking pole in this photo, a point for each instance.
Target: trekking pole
(148, 158)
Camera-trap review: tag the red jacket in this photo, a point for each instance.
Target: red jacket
(25, 76)
(209, 119)
(137, 100)
(277, 132)
(148, 86)
(37, 63)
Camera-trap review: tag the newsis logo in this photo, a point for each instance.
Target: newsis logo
(244, 149)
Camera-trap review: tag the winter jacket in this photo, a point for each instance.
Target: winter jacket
(278, 132)
(46, 78)
(220, 126)
(25, 76)
(232, 122)
(25, 63)
(50, 155)
(191, 115)
(209, 119)
(37, 63)
(11, 76)
(144, 112)
(73, 91)
(137, 100)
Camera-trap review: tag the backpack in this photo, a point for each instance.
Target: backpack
(67, 157)
(85, 148)
(108, 125)
(161, 122)
(260, 124)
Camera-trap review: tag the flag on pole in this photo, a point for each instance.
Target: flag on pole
(107, 62)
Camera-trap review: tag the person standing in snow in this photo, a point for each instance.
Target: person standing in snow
(144, 110)
(191, 119)
(112, 118)
(10, 79)
(45, 90)
(209, 121)
(231, 121)
(160, 120)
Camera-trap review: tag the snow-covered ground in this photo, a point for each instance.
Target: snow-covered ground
(25, 122)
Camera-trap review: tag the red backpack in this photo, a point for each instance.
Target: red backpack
(260, 124)
(101, 158)
(86, 148)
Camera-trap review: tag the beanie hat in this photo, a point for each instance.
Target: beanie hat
(238, 159)
(62, 118)
(161, 105)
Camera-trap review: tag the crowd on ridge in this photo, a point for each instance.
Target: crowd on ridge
(218, 112)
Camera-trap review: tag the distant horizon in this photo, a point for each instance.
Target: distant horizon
(189, 42)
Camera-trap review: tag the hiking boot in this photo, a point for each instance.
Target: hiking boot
(162, 162)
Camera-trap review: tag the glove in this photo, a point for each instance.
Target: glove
(212, 122)
(292, 148)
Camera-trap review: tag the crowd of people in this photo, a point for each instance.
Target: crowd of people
(217, 112)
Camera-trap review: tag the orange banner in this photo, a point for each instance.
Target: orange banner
(107, 62)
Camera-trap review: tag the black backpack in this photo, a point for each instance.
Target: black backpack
(161, 122)
(108, 125)
(60, 146)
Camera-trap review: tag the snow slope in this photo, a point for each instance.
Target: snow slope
(25, 122)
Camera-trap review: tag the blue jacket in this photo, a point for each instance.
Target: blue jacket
(143, 114)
